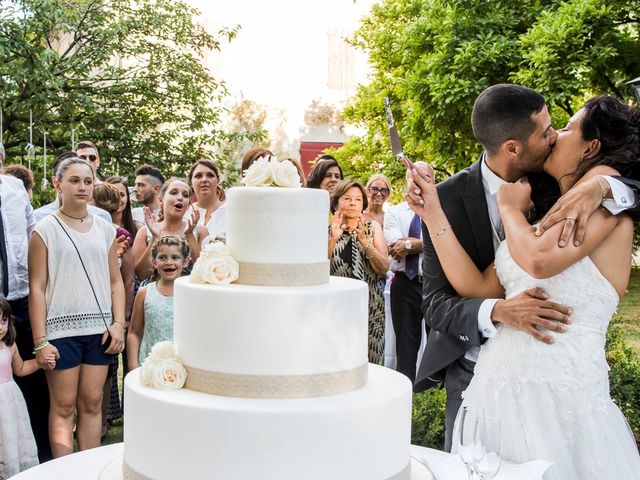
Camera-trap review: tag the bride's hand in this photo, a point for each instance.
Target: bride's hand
(515, 195)
(422, 195)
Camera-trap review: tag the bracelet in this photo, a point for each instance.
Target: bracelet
(118, 321)
(35, 339)
(40, 346)
(448, 227)
(602, 189)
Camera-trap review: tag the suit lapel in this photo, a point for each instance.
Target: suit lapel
(475, 204)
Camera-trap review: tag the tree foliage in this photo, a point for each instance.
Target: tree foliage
(433, 57)
(128, 75)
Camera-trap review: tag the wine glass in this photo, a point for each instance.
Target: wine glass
(467, 437)
(489, 436)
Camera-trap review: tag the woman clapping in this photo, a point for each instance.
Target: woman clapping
(175, 200)
(357, 249)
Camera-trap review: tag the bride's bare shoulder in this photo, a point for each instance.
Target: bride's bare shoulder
(599, 170)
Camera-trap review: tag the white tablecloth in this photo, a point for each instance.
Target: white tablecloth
(87, 465)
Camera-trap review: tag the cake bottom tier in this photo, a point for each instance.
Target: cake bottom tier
(363, 434)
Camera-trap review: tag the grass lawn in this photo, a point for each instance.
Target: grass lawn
(628, 310)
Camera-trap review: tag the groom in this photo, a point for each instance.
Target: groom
(513, 125)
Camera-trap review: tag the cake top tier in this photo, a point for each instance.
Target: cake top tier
(280, 230)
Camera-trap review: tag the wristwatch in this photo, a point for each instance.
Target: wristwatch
(407, 244)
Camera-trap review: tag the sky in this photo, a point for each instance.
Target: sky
(280, 57)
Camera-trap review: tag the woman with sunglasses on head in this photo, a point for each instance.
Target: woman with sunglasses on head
(378, 191)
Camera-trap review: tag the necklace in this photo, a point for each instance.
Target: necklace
(71, 216)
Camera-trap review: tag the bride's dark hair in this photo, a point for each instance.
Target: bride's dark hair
(617, 126)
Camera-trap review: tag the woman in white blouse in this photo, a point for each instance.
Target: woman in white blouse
(68, 320)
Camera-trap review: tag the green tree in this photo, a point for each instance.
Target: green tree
(130, 76)
(433, 57)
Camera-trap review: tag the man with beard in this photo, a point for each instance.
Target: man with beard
(149, 181)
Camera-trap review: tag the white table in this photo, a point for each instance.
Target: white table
(87, 465)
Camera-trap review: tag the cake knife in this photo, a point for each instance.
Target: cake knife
(396, 146)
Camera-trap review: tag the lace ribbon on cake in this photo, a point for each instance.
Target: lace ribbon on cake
(129, 473)
(283, 274)
(276, 386)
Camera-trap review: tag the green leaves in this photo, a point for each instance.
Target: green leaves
(433, 58)
(130, 76)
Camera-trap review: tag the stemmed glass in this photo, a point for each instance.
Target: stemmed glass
(478, 438)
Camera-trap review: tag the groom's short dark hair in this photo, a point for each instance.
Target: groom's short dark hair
(503, 112)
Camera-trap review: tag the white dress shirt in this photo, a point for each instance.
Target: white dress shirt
(18, 222)
(397, 220)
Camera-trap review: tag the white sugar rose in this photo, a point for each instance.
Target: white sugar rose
(258, 174)
(215, 270)
(168, 375)
(163, 350)
(285, 174)
(215, 249)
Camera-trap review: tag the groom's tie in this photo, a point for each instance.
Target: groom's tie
(411, 261)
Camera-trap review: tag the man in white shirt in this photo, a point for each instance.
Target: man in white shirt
(404, 236)
(149, 181)
(16, 224)
(52, 207)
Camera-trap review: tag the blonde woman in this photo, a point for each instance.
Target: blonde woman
(378, 191)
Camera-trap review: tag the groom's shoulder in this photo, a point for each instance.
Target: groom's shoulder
(458, 182)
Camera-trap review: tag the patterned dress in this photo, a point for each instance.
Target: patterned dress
(158, 320)
(349, 260)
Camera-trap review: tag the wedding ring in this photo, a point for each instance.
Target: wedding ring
(570, 218)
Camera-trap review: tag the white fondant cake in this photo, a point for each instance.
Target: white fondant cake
(277, 386)
(363, 434)
(271, 225)
(251, 330)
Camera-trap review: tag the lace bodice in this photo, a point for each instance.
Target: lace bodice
(577, 358)
(553, 400)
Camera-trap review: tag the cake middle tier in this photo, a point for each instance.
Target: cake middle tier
(245, 336)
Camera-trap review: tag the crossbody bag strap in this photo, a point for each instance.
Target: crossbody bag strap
(84, 268)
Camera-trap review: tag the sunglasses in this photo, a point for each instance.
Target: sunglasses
(91, 158)
(384, 191)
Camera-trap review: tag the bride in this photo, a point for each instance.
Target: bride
(553, 399)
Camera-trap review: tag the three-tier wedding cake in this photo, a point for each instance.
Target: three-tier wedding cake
(278, 386)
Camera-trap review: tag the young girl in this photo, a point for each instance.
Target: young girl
(176, 198)
(18, 449)
(152, 318)
(75, 306)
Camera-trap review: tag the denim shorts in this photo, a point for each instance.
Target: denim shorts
(82, 349)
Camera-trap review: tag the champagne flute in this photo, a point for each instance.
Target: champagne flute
(489, 436)
(469, 448)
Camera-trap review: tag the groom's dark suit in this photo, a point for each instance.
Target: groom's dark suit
(454, 319)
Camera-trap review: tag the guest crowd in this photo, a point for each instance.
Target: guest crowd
(89, 277)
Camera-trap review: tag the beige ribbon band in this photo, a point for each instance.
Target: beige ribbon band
(283, 274)
(130, 474)
(276, 386)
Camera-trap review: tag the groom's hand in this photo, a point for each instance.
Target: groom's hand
(574, 208)
(531, 312)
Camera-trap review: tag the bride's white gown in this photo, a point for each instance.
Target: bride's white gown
(553, 400)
